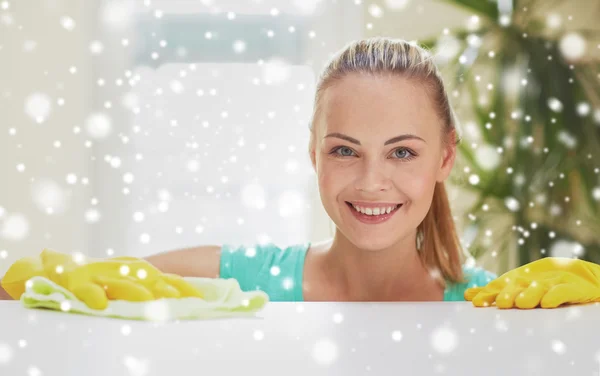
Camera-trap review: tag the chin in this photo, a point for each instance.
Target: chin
(369, 245)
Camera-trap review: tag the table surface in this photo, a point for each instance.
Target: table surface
(308, 338)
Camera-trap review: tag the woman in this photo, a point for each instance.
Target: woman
(383, 140)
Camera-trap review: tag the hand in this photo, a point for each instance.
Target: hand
(19, 272)
(548, 283)
(96, 281)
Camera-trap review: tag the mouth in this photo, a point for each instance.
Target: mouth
(373, 218)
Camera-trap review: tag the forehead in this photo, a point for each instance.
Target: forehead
(367, 105)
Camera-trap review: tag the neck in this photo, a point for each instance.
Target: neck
(393, 273)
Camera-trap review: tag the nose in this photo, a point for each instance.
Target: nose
(373, 177)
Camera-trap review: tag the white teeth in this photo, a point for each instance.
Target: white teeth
(374, 211)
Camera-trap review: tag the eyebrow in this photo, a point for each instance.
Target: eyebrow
(390, 141)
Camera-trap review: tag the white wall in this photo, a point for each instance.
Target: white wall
(95, 214)
(36, 53)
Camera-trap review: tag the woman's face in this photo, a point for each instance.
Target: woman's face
(378, 144)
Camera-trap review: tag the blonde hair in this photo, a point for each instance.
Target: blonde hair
(437, 240)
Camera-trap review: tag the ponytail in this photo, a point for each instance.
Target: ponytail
(437, 241)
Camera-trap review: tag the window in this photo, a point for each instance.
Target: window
(211, 145)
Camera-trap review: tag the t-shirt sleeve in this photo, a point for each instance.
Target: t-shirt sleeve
(478, 277)
(474, 277)
(246, 263)
(267, 267)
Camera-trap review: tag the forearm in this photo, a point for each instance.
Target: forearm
(202, 261)
(4, 295)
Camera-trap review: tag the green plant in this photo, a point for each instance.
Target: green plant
(545, 185)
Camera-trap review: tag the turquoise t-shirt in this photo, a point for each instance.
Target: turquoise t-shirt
(278, 272)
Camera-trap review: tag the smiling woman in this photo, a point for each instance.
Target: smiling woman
(383, 140)
(370, 92)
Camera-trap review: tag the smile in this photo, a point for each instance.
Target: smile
(373, 216)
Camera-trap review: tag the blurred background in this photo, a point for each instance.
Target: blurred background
(135, 127)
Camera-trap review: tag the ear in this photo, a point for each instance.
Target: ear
(446, 162)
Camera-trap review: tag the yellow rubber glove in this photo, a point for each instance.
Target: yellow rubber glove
(96, 281)
(548, 283)
(19, 272)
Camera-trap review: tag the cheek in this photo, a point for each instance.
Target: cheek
(420, 183)
(417, 185)
(417, 182)
(330, 178)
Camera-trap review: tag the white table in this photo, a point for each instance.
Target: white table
(308, 339)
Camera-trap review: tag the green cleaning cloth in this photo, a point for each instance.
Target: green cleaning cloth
(222, 298)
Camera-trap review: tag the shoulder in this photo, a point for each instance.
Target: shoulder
(474, 276)
(245, 256)
(267, 267)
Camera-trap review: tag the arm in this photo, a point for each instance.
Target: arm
(203, 261)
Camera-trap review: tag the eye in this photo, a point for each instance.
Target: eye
(342, 151)
(402, 153)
